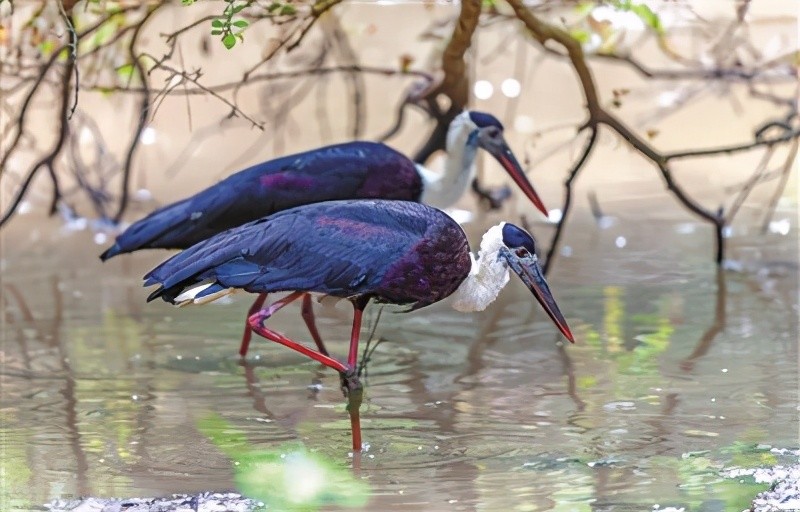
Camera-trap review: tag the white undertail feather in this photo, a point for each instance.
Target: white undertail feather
(489, 274)
(189, 295)
(444, 189)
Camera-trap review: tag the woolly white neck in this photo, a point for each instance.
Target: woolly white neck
(442, 190)
(489, 274)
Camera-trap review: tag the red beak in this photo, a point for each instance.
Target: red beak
(512, 167)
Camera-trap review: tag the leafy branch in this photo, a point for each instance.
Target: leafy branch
(227, 27)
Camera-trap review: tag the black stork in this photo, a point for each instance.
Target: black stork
(395, 252)
(354, 170)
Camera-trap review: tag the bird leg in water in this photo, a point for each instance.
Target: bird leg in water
(348, 373)
(351, 386)
(308, 316)
(354, 392)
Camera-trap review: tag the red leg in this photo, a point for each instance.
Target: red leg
(308, 315)
(355, 332)
(351, 383)
(248, 332)
(256, 322)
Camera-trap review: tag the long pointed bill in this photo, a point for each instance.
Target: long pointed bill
(505, 156)
(528, 270)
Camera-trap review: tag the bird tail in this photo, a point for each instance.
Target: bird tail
(156, 231)
(200, 293)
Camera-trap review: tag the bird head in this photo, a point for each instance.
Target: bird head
(518, 249)
(486, 131)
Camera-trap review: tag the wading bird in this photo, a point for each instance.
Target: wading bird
(354, 170)
(395, 252)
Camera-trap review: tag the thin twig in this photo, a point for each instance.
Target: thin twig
(144, 106)
(565, 208)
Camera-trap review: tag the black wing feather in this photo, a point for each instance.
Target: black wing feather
(330, 173)
(341, 248)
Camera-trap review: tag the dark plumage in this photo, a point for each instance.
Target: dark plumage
(396, 252)
(392, 251)
(345, 171)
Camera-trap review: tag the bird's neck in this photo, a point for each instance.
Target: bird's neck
(444, 189)
(488, 275)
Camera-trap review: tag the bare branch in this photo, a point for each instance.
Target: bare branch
(144, 109)
(565, 208)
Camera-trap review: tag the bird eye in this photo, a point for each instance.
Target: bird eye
(522, 252)
(493, 132)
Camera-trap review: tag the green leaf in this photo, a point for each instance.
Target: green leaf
(229, 40)
(147, 62)
(126, 71)
(217, 23)
(241, 23)
(216, 32)
(46, 47)
(273, 7)
(287, 10)
(239, 8)
(644, 12)
(580, 35)
(584, 8)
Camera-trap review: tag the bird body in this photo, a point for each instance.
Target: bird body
(353, 170)
(396, 252)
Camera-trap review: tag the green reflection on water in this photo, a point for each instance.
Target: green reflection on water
(286, 477)
(15, 474)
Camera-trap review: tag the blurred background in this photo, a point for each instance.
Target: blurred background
(681, 368)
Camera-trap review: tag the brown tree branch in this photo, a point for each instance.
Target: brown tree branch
(565, 208)
(48, 160)
(144, 109)
(544, 32)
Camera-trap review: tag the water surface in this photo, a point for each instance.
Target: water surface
(678, 371)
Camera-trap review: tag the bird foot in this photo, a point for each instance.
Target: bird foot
(351, 385)
(354, 392)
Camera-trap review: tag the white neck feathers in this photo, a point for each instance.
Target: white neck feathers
(488, 275)
(443, 190)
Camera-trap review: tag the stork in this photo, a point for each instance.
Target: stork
(395, 252)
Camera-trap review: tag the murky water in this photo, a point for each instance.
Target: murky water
(677, 372)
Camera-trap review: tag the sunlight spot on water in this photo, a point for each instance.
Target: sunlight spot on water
(620, 242)
(143, 195)
(511, 87)
(555, 215)
(566, 251)
(619, 406)
(148, 136)
(780, 227)
(483, 89)
(606, 222)
(100, 238)
(668, 98)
